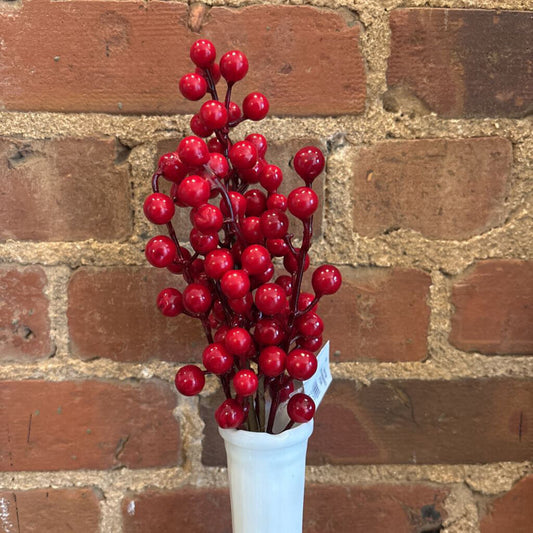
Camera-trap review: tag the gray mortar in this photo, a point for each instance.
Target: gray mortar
(469, 484)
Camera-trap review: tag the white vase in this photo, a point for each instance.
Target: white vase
(267, 479)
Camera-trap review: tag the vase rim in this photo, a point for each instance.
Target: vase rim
(260, 439)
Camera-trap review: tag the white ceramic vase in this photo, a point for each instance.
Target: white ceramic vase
(267, 479)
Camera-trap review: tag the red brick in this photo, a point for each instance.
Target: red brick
(442, 188)
(493, 308)
(24, 322)
(373, 509)
(50, 510)
(87, 425)
(279, 154)
(112, 313)
(461, 421)
(63, 190)
(132, 54)
(464, 62)
(379, 314)
(511, 512)
(204, 510)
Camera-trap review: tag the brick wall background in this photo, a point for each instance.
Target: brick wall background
(424, 109)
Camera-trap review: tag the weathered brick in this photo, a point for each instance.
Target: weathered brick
(463, 62)
(442, 188)
(373, 508)
(279, 154)
(378, 314)
(133, 53)
(24, 322)
(205, 510)
(50, 510)
(63, 190)
(213, 452)
(112, 313)
(511, 512)
(87, 425)
(493, 308)
(424, 422)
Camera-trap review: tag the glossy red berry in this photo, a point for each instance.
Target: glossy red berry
(301, 364)
(215, 146)
(290, 262)
(271, 178)
(311, 343)
(217, 359)
(218, 164)
(302, 202)
(176, 267)
(233, 66)
(230, 414)
(207, 218)
(255, 259)
(197, 298)
(172, 167)
(243, 305)
(243, 155)
(158, 208)
(245, 382)
(193, 151)
(193, 191)
(277, 201)
(274, 224)
(238, 341)
(190, 380)
(277, 247)
(256, 202)
(260, 143)
(160, 251)
(301, 408)
(286, 283)
(214, 114)
(203, 53)
(238, 204)
(235, 283)
(310, 325)
(326, 279)
(251, 230)
(272, 361)
(309, 163)
(199, 127)
(269, 331)
(255, 106)
(305, 300)
(270, 299)
(252, 175)
(234, 112)
(170, 302)
(193, 86)
(218, 262)
(203, 243)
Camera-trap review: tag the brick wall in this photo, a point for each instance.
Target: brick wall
(424, 110)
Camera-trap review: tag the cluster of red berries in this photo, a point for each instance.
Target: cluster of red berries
(262, 330)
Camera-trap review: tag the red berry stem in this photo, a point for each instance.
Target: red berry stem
(289, 425)
(227, 100)
(207, 328)
(275, 386)
(211, 87)
(155, 181)
(235, 230)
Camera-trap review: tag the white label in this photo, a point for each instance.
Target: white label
(317, 385)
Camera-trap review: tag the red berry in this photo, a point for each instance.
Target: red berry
(271, 178)
(230, 414)
(277, 247)
(233, 66)
(269, 331)
(272, 361)
(277, 201)
(286, 283)
(190, 380)
(302, 202)
(197, 298)
(311, 343)
(260, 143)
(301, 364)
(243, 305)
(309, 163)
(270, 299)
(255, 259)
(235, 283)
(215, 146)
(199, 127)
(203, 53)
(170, 302)
(218, 164)
(243, 155)
(253, 175)
(245, 382)
(326, 279)
(290, 262)
(193, 86)
(172, 167)
(207, 218)
(217, 359)
(160, 251)
(158, 208)
(251, 230)
(193, 191)
(214, 114)
(310, 325)
(301, 408)
(274, 224)
(193, 151)
(176, 267)
(220, 334)
(238, 341)
(305, 300)
(218, 262)
(203, 243)
(255, 106)
(263, 277)
(255, 202)
(238, 204)
(234, 112)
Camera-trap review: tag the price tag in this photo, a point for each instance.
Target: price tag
(317, 385)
